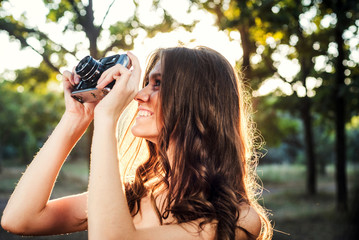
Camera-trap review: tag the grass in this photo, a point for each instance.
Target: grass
(72, 179)
(76, 169)
(294, 214)
(299, 216)
(281, 173)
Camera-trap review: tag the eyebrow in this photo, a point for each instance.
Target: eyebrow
(154, 75)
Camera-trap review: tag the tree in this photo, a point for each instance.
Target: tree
(344, 86)
(304, 52)
(309, 30)
(74, 17)
(26, 119)
(244, 17)
(277, 21)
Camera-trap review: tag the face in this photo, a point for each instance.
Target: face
(148, 123)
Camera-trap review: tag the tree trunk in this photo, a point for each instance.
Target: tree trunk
(306, 105)
(1, 157)
(246, 46)
(340, 105)
(309, 146)
(92, 33)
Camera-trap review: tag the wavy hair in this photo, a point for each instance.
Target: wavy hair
(208, 132)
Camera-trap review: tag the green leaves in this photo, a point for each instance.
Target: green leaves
(29, 106)
(26, 119)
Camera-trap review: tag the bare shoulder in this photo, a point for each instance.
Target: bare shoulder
(249, 220)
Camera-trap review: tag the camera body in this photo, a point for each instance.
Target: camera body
(90, 70)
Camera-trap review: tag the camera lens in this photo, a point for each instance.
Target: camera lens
(88, 69)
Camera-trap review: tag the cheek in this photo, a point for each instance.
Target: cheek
(157, 106)
(159, 125)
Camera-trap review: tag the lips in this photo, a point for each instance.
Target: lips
(144, 113)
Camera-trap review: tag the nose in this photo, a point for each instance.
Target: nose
(143, 95)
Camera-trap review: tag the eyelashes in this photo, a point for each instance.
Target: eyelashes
(154, 82)
(157, 82)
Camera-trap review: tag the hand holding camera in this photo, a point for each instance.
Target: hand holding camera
(123, 91)
(90, 70)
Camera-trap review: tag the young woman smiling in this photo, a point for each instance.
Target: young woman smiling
(198, 181)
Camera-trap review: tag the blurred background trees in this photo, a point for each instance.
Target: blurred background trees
(299, 57)
(71, 18)
(317, 36)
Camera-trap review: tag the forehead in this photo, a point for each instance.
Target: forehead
(156, 69)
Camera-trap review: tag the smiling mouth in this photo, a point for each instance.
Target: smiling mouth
(144, 113)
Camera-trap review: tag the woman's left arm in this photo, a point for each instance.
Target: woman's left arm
(108, 214)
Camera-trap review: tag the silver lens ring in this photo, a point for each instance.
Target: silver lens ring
(92, 71)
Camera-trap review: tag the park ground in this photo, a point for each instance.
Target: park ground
(294, 214)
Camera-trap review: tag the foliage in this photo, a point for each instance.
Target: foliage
(274, 122)
(75, 17)
(29, 108)
(250, 18)
(26, 119)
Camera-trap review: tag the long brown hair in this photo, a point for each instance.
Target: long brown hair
(207, 130)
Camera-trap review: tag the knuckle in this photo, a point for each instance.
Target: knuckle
(126, 71)
(129, 90)
(66, 75)
(121, 67)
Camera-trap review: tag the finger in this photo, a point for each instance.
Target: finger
(136, 72)
(103, 77)
(125, 83)
(121, 70)
(76, 78)
(134, 59)
(106, 77)
(116, 72)
(67, 76)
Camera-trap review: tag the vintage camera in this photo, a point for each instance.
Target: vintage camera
(90, 70)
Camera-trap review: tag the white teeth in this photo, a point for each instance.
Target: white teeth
(144, 113)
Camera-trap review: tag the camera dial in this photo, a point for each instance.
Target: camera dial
(89, 69)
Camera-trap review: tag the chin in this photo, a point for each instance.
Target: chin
(144, 134)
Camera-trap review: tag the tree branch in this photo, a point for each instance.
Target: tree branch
(45, 59)
(76, 9)
(15, 30)
(108, 10)
(43, 35)
(44, 56)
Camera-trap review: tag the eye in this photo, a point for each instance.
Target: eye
(157, 83)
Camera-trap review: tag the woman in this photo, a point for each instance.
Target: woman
(197, 182)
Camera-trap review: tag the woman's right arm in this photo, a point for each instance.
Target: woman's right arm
(29, 211)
